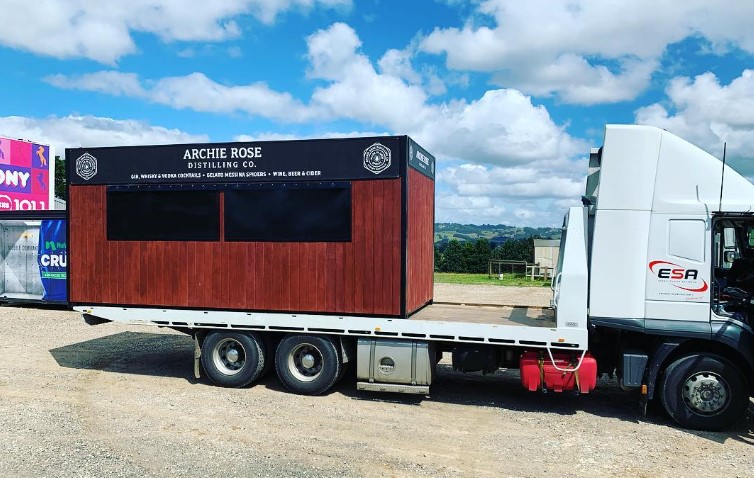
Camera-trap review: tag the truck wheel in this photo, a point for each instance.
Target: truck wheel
(233, 359)
(704, 392)
(269, 351)
(307, 364)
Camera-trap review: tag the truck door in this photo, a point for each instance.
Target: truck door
(678, 272)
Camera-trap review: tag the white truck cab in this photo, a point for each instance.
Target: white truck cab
(670, 240)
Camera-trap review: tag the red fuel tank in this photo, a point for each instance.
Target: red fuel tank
(536, 366)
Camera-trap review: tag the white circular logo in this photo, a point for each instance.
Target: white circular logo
(377, 158)
(86, 166)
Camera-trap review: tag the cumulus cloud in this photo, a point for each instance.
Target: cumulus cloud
(585, 51)
(110, 82)
(77, 131)
(270, 136)
(355, 90)
(501, 129)
(451, 207)
(521, 182)
(397, 63)
(577, 81)
(537, 193)
(194, 91)
(103, 31)
(707, 113)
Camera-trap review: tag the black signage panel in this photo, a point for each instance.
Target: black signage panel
(420, 159)
(303, 160)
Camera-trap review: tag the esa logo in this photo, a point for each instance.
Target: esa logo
(678, 276)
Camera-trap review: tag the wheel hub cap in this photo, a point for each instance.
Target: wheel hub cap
(307, 361)
(232, 355)
(705, 393)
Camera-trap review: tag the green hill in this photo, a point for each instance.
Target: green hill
(495, 233)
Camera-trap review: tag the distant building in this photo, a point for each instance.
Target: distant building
(546, 252)
(59, 204)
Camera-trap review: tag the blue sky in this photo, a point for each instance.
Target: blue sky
(508, 95)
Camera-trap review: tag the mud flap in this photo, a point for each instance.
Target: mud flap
(197, 357)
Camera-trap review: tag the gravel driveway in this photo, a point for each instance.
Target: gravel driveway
(121, 401)
(493, 295)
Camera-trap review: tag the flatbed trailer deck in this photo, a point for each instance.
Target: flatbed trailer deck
(523, 326)
(487, 314)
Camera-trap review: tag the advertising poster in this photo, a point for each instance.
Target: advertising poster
(26, 175)
(33, 259)
(53, 260)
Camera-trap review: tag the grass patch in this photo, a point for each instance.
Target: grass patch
(519, 280)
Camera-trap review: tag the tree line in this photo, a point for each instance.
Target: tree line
(474, 256)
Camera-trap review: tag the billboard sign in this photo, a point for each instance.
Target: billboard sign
(26, 175)
(265, 161)
(33, 257)
(53, 260)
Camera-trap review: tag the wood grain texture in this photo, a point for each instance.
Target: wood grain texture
(420, 241)
(357, 277)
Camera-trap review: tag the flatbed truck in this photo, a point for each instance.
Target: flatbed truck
(654, 284)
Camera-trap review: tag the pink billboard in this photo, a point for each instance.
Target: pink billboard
(26, 175)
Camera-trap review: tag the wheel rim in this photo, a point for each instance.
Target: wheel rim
(229, 356)
(706, 393)
(305, 362)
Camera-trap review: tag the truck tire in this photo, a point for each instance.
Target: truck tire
(269, 352)
(233, 359)
(704, 392)
(308, 364)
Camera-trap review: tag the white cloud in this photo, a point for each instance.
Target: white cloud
(537, 193)
(194, 91)
(397, 63)
(355, 90)
(469, 209)
(110, 82)
(579, 82)
(485, 210)
(332, 50)
(501, 129)
(272, 136)
(102, 31)
(585, 51)
(706, 113)
(520, 182)
(197, 92)
(76, 131)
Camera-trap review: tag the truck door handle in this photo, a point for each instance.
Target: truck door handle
(555, 284)
(554, 280)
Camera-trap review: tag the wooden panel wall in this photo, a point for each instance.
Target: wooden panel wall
(358, 277)
(421, 252)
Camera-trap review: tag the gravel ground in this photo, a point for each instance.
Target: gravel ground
(121, 401)
(493, 295)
